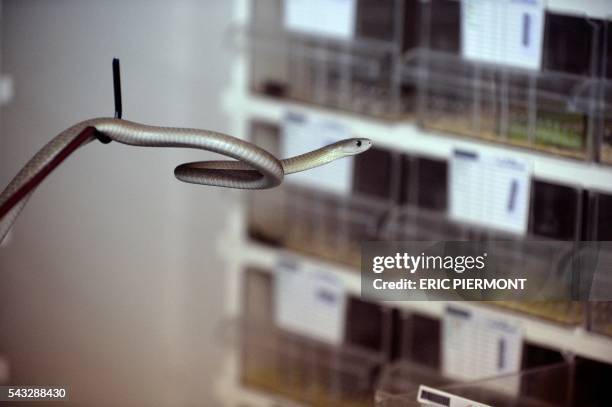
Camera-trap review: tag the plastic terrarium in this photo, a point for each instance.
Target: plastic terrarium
(551, 108)
(401, 385)
(316, 221)
(294, 367)
(356, 66)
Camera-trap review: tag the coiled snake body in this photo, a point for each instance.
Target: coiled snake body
(255, 168)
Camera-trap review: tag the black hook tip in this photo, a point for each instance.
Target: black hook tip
(117, 94)
(117, 88)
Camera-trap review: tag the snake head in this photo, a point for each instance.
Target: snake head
(355, 146)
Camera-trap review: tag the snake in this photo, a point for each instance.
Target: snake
(252, 167)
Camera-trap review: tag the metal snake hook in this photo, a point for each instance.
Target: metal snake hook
(116, 96)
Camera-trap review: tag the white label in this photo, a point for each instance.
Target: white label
(477, 346)
(310, 302)
(334, 18)
(431, 397)
(302, 134)
(490, 191)
(503, 31)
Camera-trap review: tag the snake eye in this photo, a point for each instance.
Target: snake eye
(358, 143)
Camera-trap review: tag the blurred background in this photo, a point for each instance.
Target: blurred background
(490, 120)
(112, 278)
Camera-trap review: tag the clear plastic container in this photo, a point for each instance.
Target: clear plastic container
(291, 366)
(606, 137)
(600, 314)
(600, 308)
(316, 222)
(547, 386)
(399, 383)
(606, 124)
(555, 211)
(606, 116)
(329, 226)
(552, 109)
(360, 72)
(411, 223)
(548, 274)
(600, 229)
(305, 370)
(424, 183)
(544, 111)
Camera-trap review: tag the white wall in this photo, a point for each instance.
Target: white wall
(111, 283)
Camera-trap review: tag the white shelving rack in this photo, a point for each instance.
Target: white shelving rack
(407, 137)
(242, 107)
